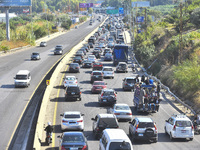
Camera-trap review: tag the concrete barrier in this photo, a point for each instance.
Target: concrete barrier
(46, 98)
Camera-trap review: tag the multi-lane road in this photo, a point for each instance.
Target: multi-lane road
(14, 100)
(90, 107)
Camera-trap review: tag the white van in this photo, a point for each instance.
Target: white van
(22, 78)
(113, 139)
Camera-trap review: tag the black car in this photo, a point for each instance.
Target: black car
(91, 44)
(82, 50)
(80, 53)
(103, 121)
(87, 64)
(73, 92)
(77, 59)
(74, 67)
(107, 97)
(96, 76)
(97, 54)
(73, 140)
(58, 51)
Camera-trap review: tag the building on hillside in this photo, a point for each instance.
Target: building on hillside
(3, 17)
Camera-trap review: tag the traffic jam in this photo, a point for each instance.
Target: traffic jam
(106, 59)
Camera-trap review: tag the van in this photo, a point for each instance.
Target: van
(22, 78)
(113, 139)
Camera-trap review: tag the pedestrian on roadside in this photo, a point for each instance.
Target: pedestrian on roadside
(151, 81)
(147, 81)
(143, 78)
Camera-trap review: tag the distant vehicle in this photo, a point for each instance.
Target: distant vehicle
(98, 86)
(87, 64)
(43, 44)
(83, 50)
(72, 120)
(107, 97)
(122, 111)
(92, 40)
(91, 58)
(22, 78)
(69, 140)
(78, 59)
(73, 92)
(103, 121)
(120, 54)
(122, 67)
(91, 44)
(35, 56)
(128, 83)
(107, 50)
(108, 72)
(58, 50)
(97, 66)
(74, 67)
(110, 44)
(143, 129)
(96, 76)
(76, 27)
(108, 57)
(80, 53)
(70, 80)
(179, 126)
(90, 23)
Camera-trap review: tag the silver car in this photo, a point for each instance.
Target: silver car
(35, 56)
(72, 120)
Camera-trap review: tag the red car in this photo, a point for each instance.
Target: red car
(98, 86)
(97, 66)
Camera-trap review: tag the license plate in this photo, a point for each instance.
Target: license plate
(104, 100)
(97, 76)
(73, 148)
(72, 122)
(140, 134)
(183, 131)
(122, 113)
(73, 93)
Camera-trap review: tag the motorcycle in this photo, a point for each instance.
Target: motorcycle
(48, 138)
(133, 68)
(196, 127)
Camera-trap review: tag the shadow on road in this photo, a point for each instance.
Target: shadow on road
(85, 82)
(59, 99)
(8, 86)
(92, 104)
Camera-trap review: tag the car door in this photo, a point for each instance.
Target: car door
(95, 123)
(131, 127)
(169, 125)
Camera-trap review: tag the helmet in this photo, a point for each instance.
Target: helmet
(49, 123)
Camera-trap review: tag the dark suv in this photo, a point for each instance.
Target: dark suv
(96, 76)
(143, 129)
(103, 121)
(74, 67)
(73, 92)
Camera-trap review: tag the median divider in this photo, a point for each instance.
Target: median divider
(46, 98)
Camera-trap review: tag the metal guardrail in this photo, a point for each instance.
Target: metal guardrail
(158, 81)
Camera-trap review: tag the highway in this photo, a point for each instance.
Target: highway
(14, 100)
(90, 107)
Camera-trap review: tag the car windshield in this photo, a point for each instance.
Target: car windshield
(72, 116)
(120, 146)
(70, 78)
(122, 108)
(77, 57)
(91, 57)
(130, 80)
(99, 83)
(21, 77)
(97, 63)
(146, 125)
(108, 122)
(107, 93)
(96, 73)
(73, 138)
(107, 69)
(183, 123)
(35, 54)
(58, 48)
(73, 65)
(122, 65)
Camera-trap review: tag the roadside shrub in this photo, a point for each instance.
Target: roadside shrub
(195, 17)
(66, 25)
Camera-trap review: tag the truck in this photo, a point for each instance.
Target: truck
(120, 54)
(150, 102)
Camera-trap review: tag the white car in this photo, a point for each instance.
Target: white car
(70, 80)
(122, 111)
(72, 120)
(91, 58)
(179, 126)
(108, 72)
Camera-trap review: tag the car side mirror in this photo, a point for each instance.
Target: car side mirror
(58, 136)
(166, 121)
(61, 114)
(93, 119)
(82, 114)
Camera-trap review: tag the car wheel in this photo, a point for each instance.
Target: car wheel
(155, 141)
(79, 99)
(170, 136)
(112, 77)
(191, 139)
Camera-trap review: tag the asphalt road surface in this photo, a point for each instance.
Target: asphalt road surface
(13, 100)
(90, 107)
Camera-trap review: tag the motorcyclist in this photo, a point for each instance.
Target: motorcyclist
(133, 67)
(49, 129)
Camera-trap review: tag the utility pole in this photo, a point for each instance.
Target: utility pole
(180, 36)
(7, 24)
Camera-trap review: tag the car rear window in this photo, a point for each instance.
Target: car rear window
(77, 57)
(122, 65)
(97, 64)
(72, 116)
(107, 93)
(35, 54)
(183, 123)
(73, 89)
(108, 122)
(146, 125)
(96, 73)
(122, 108)
(107, 69)
(74, 65)
(130, 80)
(120, 146)
(58, 48)
(70, 78)
(73, 138)
(21, 77)
(99, 83)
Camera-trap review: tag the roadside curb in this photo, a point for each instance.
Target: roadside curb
(46, 98)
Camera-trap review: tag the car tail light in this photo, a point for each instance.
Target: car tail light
(65, 82)
(192, 127)
(115, 95)
(117, 113)
(76, 82)
(76, 67)
(129, 113)
(136, 128)
(65, 121)
(80, 92)
(102, 95)
(80, 121)
(155, 128)
(84, 147)
(62, 148)
(174, 128)
(126, 84)
(97, 128)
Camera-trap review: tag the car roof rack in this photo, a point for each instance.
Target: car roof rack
(183, 115)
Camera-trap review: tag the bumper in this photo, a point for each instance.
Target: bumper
(97, 68)
(96, 90)
(182, 136)
(73, 70)
(121, 70)
(72, 97)
(21, 84)
(108, 75)
(107, 102)
(65, 126)
(142, 136)
(125, 117)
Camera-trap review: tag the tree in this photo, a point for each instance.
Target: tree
(195, 17)
(90, 11)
